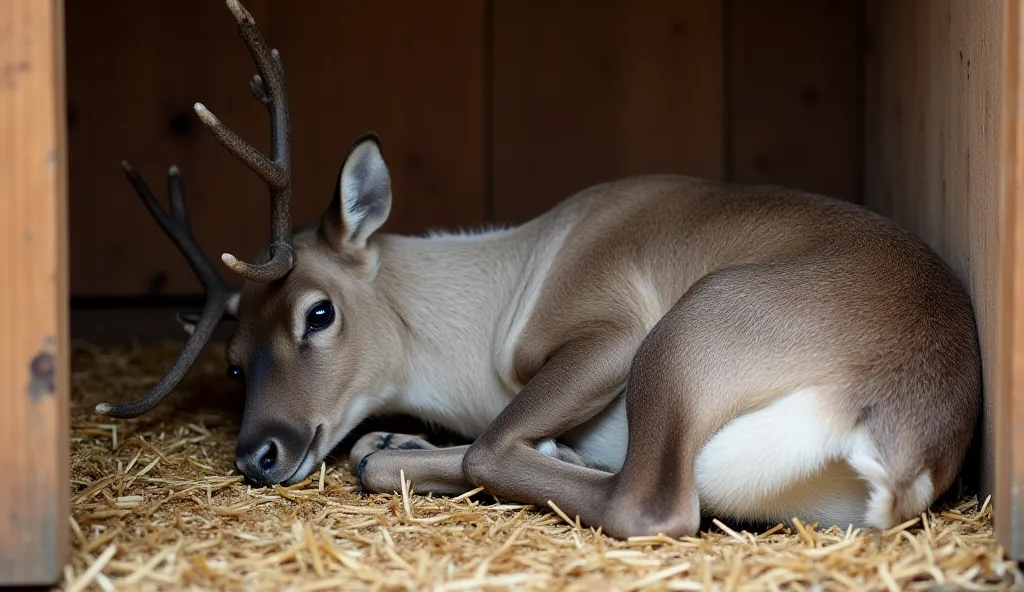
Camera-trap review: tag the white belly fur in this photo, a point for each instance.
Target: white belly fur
(788, 459)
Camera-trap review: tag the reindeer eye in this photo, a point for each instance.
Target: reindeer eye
(235, 373)
(320, 316)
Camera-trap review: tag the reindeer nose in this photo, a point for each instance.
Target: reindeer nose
(268, 452)
(258, 465)
(269, 458)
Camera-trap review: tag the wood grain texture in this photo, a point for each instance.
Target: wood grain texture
(411, 71)
(132, 80)
(34, 353)
(589, 90)
(932, 77)
(1009, 429)
(794, 94)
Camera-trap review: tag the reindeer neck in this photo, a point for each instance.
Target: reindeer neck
(448, 293)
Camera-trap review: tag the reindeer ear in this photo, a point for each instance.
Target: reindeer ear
(362, 196)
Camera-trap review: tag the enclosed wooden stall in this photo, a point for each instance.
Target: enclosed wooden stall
(490, 112)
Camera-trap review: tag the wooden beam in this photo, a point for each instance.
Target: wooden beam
(1008, 498)
(34, 355)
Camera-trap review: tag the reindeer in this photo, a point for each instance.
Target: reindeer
(651, 350)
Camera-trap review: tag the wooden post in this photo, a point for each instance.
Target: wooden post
(34, 353)
(1008, 497)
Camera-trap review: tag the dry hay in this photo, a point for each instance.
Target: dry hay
(157, 506)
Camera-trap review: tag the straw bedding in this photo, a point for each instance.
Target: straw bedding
(157, 505)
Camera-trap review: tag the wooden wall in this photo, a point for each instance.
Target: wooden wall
(932, 103)
(489, 111)
(412, 71)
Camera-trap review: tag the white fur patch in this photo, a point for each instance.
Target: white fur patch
(547, 447)
(771, 464)
(792, 459)
(601, 442)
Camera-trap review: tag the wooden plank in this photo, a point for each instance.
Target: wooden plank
(411, 71)
(932, 80)
(418, 81)
(794, 101)
(1009, 489)
(585, 91)
(34, 354)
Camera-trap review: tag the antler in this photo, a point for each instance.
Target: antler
(269, 87)
(218, 293)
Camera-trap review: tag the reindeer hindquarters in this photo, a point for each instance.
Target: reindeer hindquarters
(753, 399)
(719, 400)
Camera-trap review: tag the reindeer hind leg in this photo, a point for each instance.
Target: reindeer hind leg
(715, 386)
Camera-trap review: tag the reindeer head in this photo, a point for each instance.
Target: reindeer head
(306, 379)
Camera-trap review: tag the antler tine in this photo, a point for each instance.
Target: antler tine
(213, 311)
(176, 226)
(266, 169)
(269, 87)
(218, 293)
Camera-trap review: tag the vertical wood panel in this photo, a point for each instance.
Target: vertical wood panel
(931, 147)
(133, 76)
(794, 101)
(1009, 488)
(411, 71)
(587, 91)
(34, 351)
